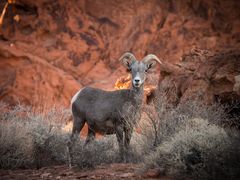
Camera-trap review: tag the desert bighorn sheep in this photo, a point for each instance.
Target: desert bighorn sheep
(108, 111)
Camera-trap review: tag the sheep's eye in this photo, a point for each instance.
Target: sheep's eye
(128, 70)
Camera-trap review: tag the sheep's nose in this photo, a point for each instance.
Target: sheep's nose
(137, 80)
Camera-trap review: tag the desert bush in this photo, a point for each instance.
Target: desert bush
(105, 150)
(16, 145)
(163, 120)
(198, 151)
(30, 139)
(187, 141)
(100, 151)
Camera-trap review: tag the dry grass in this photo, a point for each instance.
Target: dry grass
(31, 139)
(188, 141)
(183, 142)
(198, 151)
(102, 151)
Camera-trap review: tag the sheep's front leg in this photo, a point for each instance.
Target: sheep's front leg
(128, 134)
(119, 134)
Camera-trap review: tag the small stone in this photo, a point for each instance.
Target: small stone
(125, 175)
(152, 173)
(45, 175)
(63, 174)
(93, 177)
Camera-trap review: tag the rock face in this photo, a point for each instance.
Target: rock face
(202, 75)
(49, 49)
(30, 80)
(205, 76)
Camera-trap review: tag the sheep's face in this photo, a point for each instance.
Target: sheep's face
(139, 69)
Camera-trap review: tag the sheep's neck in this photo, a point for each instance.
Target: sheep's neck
(137, 94)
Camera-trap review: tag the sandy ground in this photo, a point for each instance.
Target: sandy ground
(112, 171)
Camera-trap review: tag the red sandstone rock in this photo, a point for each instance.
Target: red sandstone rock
(64, 45)
(203, 76)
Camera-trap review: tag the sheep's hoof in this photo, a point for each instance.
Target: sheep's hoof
(123, 158)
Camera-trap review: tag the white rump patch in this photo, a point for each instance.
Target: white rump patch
(75, 97)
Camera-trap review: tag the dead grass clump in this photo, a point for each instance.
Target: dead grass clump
(105, 150)
(198, 151)
(16, 145)
(100, 151)
(163, 121)
(30, 140)
(188, 142)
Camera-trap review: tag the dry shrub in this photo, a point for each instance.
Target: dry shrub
(105, 150)
(100, 151)
(29, 139)
(187, 141)
(183, 141)
(16, 146)
(163, 120)
(198, 151)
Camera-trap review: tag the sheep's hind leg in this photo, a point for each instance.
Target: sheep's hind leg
(78, 124)
(90, 136)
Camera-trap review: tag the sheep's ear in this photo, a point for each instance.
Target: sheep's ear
(150, 64)
(127, 60)
(150, 61)
(127, 63)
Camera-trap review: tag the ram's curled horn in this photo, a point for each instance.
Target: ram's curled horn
(128, 56)
(149, 57)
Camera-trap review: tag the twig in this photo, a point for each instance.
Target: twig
(3, 13)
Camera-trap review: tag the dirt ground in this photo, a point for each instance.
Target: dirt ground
(112, 171)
